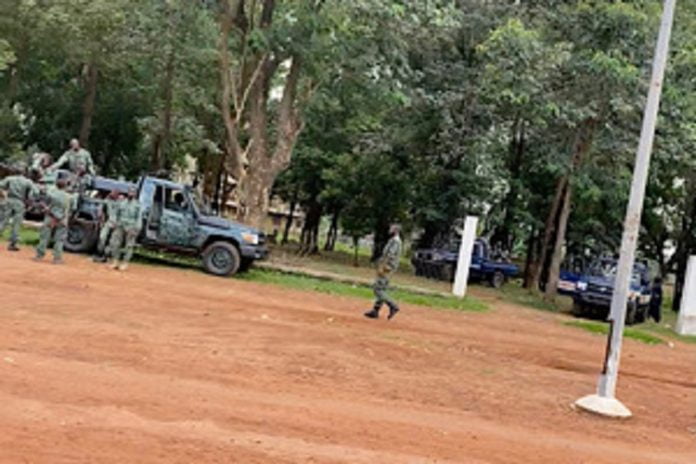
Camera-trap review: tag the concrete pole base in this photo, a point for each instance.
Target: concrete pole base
(608, 407)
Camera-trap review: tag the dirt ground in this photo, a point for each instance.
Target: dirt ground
(161, 365)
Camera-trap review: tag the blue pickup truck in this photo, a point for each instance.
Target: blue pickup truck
(594, 290)
(441, 263)
(572, 271)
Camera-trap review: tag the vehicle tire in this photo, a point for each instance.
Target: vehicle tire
(641, 314)
(631, 313)
(448, 273)
(221, 259)
(416, 268)
(578, 309)
(245, 264)
(497, 279)
(81, 237)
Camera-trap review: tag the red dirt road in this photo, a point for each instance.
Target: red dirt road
(162, 365)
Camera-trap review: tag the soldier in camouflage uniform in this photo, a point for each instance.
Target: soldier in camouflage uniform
(75, 157)
(81, 180)
(387, 265)
(57, 207)
(40, 163)
(107, 217)
(128, 225)
(19, 190)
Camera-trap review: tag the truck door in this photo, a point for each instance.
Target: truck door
(177, 218)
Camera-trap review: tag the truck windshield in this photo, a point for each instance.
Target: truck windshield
(608, 269)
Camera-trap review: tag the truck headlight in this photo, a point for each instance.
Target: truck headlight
(251, 239)
(582, 286)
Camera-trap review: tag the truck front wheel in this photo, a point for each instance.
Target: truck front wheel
(221, 259)
(631, 313)
(497, 279)
(81, 237)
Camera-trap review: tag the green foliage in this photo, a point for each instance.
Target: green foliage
(7, 56)
(419, 112)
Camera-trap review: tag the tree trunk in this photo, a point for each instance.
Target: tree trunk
(291, 218)
(504, 237)
(356, 244)
(555, 268)
(255, 188)
(552, 232)
(244, 108)
(309, 245)
(88, 105)
(254, 198)
(162, 138)
(549, 229)
(531, 259)
(332, 233)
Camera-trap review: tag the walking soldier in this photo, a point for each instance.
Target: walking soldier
(387, 265)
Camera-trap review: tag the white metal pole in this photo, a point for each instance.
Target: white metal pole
(464, 261)
(605, 402)
(686, 324)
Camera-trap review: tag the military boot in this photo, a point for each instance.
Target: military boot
(115, 264)
(393, 309)
(373, 313)
(12, 246)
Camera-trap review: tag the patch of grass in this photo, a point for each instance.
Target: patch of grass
(666, 329)
(27, 236)
(360, 291)
(603, 329)
(514, 293)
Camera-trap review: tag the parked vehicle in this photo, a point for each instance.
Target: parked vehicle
(572, 270)
(441, 263)
(174, 220)
(594, 291)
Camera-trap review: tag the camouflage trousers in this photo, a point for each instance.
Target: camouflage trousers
(380, 288)
(122, 243)
(12, 210)
(52, 229)
(104, 234)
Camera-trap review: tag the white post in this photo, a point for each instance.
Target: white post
(466, 249)
(605, 402)
(686, 325)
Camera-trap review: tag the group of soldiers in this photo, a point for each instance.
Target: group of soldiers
(57, 198)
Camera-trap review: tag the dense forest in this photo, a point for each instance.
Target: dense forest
(366, 112)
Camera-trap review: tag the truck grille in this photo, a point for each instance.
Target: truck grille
(599, 289)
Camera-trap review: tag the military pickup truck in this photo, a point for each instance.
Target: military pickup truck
(594, 290)
(441, 263)
(174, 220)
